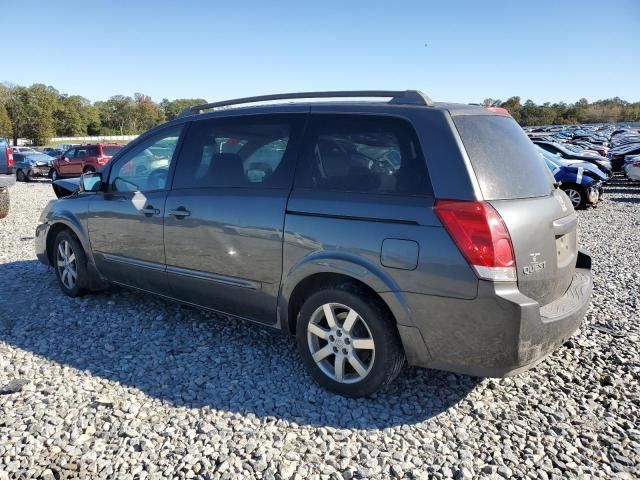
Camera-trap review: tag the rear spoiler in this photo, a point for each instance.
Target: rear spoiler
(499, 110)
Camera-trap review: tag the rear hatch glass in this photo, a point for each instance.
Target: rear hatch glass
(505, 161)
(110, 151)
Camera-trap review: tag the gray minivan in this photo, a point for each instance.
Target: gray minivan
(375, 231)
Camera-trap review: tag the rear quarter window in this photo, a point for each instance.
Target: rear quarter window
(362, 154)
(505, 161)
(110, 151)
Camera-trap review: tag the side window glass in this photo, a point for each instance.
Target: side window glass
(81, 152)
(247, 152)
(361, 154)
(70, 154)
(146, 167)
(92, 151)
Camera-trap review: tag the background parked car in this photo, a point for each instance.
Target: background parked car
(570, 154)
(6, 175)
(632, 168)
(53, 151)
(83, 159)
(29, 165)
(580, 181)
(23, 150)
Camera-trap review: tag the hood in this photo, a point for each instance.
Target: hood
(67, 186)
(589, 167)
(38, 158)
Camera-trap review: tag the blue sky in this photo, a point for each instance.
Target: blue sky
(558, 50)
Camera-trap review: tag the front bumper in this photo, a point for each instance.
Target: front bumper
(594, 192)
(39, 171)
(40, 243)
(499, 333)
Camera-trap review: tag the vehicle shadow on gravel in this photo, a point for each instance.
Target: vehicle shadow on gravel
(624, 199)
(197, 359)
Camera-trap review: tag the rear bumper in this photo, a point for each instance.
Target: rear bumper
(499, 333)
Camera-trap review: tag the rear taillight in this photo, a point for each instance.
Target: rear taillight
(9, 157)
(482, 237)
(103, 160)
(636, 164)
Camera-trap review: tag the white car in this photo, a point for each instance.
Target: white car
(632, 167)
(24, 150)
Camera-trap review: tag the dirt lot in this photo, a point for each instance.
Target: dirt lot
(124, 385)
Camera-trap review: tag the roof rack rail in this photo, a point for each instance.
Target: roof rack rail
(398, 97)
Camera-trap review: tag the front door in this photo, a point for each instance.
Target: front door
(224, 216)
(126, 221)
(68, 162)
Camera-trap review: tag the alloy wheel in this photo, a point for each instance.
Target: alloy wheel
(66, 264)
(340, 343)
(574, 196)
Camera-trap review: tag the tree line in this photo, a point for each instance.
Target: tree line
(601, 111)
(40, 112)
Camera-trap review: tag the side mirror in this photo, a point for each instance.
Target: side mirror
(91, 182)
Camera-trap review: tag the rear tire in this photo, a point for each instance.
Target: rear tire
(70, 264)
(88, 170)
(357, 356)
(577, 195)
(4, 202)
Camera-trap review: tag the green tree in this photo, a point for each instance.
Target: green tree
(41, 104)
(116, 114)
(69, 116)
(146, 114)
(6, 129)
(173, 108)
(17, 105)
(513, 106)
(91, 116)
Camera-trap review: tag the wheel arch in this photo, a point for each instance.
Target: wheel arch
(74, 226)
(323, 271)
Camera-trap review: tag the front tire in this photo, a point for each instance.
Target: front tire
(348, 342)
(21, 176)
(577, 195)
(70, 264)
(54, 175)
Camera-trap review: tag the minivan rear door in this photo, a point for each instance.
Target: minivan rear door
(540, 218)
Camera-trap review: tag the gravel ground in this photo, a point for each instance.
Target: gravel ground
(124, 385)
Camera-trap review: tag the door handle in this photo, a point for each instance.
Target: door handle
(149, 211)
(179, 212)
